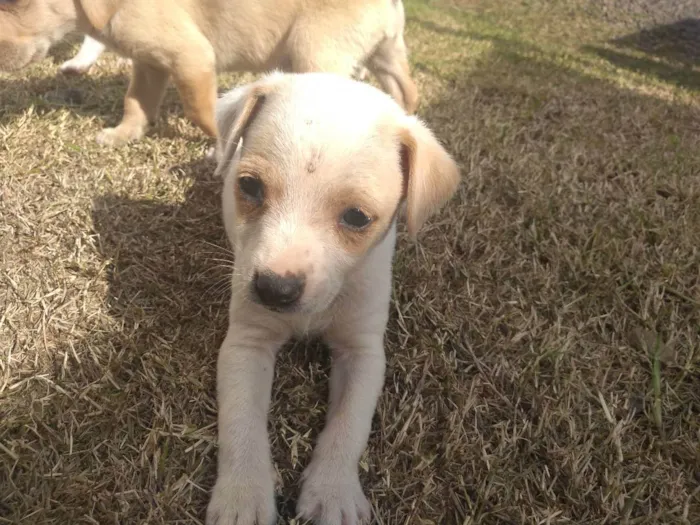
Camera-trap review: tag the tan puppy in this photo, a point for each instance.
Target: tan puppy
(191, 39)
(316, 169)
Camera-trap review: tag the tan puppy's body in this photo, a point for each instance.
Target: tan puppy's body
(317, 168)
(189, 40)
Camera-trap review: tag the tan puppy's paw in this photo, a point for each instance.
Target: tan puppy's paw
(235, 504)
(117, 136)
(331, 496)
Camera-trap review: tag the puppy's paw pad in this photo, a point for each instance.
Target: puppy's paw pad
(74, 67)
(113, 137)
(340, 502)
(241, 505)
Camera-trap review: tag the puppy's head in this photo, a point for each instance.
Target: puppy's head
(28, 29)
(317, 167)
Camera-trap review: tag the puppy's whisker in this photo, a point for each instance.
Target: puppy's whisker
(218, 289)
(213, 245)
(226, 261)
(222, 251)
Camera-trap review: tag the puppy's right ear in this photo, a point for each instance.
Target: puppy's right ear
(430, 174)
(234, 113)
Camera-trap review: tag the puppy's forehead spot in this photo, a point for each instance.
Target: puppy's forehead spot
(314, 159)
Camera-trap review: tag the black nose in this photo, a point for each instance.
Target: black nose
(278, 291)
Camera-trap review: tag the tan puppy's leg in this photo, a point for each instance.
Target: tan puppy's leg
(191, 61)
(197, 87)
(194, 75)
(141, 105)
(389, 64)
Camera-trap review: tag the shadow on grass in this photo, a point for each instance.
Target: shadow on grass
(84, 95)
(671, 52)
(677, 42)
(96, 94)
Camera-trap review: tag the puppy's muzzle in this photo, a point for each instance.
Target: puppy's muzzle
(278, 292)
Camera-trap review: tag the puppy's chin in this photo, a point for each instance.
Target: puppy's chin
(294, 308)
(318, 305)
(305, 306)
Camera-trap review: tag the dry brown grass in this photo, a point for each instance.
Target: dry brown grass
(544, 345)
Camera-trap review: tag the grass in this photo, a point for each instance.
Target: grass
(544, 345)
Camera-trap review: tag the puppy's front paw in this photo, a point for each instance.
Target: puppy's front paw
(75, 67)
(332, 496)
(117, 136)
(234, 503)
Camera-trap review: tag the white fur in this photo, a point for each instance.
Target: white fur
(89, 52)
(343, 128)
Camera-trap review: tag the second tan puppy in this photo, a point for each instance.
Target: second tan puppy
(189, 40)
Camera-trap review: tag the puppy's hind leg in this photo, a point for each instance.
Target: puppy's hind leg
(389, 63)
(141, 105)
(196, 83)
(90, 50)
(192, 62)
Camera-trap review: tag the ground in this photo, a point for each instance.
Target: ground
(544, 342)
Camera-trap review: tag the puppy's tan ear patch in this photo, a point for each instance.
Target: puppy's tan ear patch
(430, 175)
(232, 119)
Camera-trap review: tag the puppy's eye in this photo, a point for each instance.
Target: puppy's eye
(355, 219)
(252, 188)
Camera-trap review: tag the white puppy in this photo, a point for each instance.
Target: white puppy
(317, 168)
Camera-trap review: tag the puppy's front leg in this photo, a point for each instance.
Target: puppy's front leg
(244, 489)
(141, 105)
(331, 493)
(89, 52)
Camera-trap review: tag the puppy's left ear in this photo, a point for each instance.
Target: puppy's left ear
(235, 111)
(430, 175)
